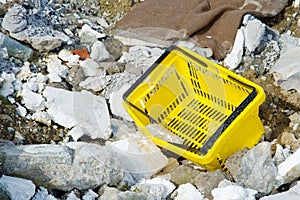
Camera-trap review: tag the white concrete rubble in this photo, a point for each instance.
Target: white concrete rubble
(16, 188)
(7, 84)
(113, 193)
(141, 56)
(187, 192)
(64, 167)
(230, 191)
(42, 117)
(90, 195)
(257, 170)
(286, 70)
(289, 169)
(292, 194)
(72, 196)
(43, 194)
(157, 187)
(91, 68)
(79, 109)
(68, 56)
(99, 52)
(56, 69)
(254, 33)
(234, 58)
(25, 73)
(22, 112)
(96, 83)
(116, 105)
(146, 159)
(15, 19)
(32, 101)
(89, 35)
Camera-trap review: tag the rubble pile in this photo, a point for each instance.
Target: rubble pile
(66, 135)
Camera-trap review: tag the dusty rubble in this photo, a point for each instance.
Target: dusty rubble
(66, 135)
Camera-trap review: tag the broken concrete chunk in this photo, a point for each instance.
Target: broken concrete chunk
(7, 84)
(16, 188)
(43, 194)
(33, 101)
(68, 56)
(15, 19)
(157, 187)
(72, 196)
(287, 70)
(55, 68)
(292, 194)
(83, 165)
(113, 193)
(254, 33)
(116, 105)
(234, 58)
(231, 191)
(91, 68)
(90, 195)
(96, 83)
(141, 56)
(99, 52)
(42, 117)
(187, 192)
(88, 35)
(258, 170)
(146, 159)
(79, 109)
(289, 169)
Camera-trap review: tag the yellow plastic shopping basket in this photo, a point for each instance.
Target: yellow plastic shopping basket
(196, 108)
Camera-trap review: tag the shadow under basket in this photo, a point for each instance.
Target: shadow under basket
(196, 108)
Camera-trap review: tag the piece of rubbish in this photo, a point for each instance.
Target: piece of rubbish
(211, 109)
(83, 53)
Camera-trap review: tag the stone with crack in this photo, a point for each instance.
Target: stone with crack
(145, 158)
(16, 188)
(79, 109)
(63, 167)
(187, 192)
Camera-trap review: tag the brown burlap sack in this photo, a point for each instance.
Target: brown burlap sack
(211, 23)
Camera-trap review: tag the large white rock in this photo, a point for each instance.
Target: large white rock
(187, 192)
(257, 170)
(145, 158)
(292, 194)
(15, 19)
(289, 169)
(90, 195)
(55, 68)
(96, 83)
(91, 68)
(254, 33)
(114, 194)
(157, 187)
(141, 56)
(89, 35)
(79, 109)
(6, 84)
(231, 191)
(234, 58)
(17, 188)
(99, 52)
(286, 70)
(33, 101)
(64, 167)
(43, 194)
(68, 56)
(116, 103)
